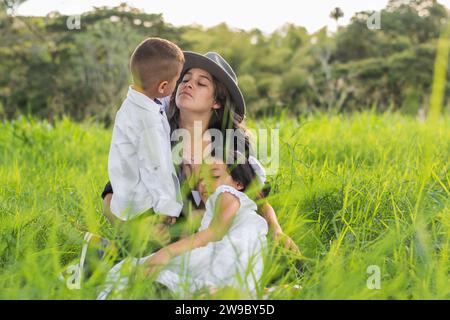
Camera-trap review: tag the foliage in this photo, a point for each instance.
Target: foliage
(49, 71)
(351, 191)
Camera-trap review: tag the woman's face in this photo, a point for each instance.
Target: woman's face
(196, 92)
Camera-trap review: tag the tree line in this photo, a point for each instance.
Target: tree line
(49, 68)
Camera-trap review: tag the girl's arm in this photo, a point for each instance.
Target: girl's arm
(227, 208)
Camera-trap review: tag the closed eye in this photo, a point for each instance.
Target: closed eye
(186, 78)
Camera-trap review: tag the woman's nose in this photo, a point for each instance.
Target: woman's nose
(188, 83)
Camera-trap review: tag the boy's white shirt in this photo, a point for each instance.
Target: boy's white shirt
(165, 103)
(140, 163)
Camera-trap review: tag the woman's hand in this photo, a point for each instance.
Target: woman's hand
(277, 233)
(279, 236)
(156, 261)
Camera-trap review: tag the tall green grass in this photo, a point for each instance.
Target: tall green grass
(352, 191)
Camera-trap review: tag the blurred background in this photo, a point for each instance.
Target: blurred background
(71, 57)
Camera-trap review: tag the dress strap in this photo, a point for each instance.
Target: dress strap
(238, 194)
(225, 188)
(245, 202)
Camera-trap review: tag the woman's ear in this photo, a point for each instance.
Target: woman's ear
(216, 106)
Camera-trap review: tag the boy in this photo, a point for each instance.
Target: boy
(140, 163)
(140, 166)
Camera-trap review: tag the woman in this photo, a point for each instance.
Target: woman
(207, 95)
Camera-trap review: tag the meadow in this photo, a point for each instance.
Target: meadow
(362, 195)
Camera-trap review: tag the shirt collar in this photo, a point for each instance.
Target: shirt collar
(141, 100)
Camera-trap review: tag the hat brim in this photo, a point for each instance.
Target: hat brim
(196, 60)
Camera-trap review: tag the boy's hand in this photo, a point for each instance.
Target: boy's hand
(162, 234)
(171, 221)
(167, 220)
(159, 229)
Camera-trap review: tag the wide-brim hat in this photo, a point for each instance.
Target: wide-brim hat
(217, 66)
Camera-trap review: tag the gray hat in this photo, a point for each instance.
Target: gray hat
(220, 69)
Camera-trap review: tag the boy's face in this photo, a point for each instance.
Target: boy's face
(212, 176)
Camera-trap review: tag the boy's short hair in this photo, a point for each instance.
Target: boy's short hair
(155, 60)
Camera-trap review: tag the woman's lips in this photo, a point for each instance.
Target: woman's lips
(188, 94)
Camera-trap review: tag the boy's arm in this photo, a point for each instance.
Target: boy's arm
(228, 206)
(156, 171)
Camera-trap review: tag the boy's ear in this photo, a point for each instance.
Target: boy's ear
(239, 186)
(162, 86)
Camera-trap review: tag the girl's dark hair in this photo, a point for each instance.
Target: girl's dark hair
(240, 169)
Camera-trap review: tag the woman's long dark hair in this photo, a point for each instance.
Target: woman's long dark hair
(222, 119)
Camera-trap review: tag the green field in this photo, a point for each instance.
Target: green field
(352, 191)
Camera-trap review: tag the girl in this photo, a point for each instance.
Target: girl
(226, 250)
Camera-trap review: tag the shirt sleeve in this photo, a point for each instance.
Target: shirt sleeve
(156, 170)
(123, 169)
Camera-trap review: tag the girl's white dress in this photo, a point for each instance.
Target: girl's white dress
(236, 260)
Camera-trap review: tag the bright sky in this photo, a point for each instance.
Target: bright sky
(262, 14)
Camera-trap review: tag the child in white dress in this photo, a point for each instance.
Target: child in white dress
(227, 249)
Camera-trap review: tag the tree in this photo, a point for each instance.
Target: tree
(50, 71)
(336, 14)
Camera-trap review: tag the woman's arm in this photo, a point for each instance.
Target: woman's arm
(268, 213)
(228, 206)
